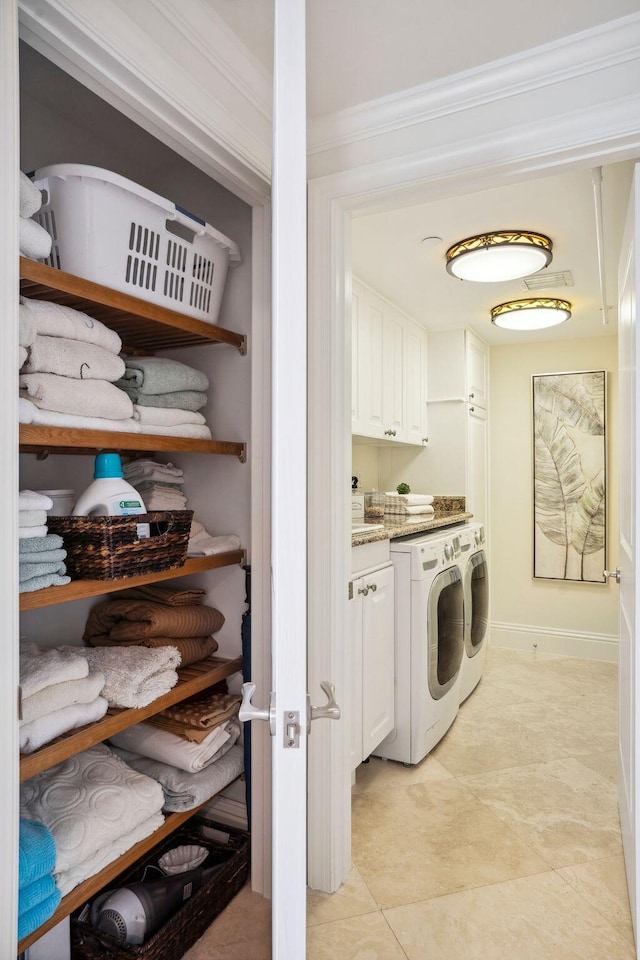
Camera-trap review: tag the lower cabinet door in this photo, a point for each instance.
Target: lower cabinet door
(355, 651)
(377, 658)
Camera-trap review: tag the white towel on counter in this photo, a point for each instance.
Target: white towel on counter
(192, 431)
(36, 733)
(166, 416)
(202, 544)
(56, 320)
(29, 413)
(149, 741)
(31, 518)
(32, 500)
(89, 802)
(72, 358)
(399, 511)
(35, 242)
(25, 532)
(30, 196)
(134, 676)
(90, 398)
(411, 499)
(22, 356)
(39, 667)
(64, 694)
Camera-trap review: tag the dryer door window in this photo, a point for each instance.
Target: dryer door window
(445, 631)
(477, 598)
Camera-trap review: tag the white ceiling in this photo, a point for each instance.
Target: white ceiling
(359, 50)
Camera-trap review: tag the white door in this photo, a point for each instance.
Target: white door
(629, 712)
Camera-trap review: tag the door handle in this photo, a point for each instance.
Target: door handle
(612, 574)
(250, 712)
(330, 710)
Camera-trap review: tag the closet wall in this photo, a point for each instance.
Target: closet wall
(63, 122)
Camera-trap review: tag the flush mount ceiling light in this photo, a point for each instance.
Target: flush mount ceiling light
(500, 255)
(534, 314)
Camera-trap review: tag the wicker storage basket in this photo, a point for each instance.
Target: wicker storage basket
(186, 926)
(109, 548)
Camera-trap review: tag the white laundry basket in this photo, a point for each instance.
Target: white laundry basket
(110, 230)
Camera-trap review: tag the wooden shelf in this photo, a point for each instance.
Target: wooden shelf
(140, 325)
(84, 891)
(45, 440)
(78, 589)
(192, 679)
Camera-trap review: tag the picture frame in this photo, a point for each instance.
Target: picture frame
(569, 476)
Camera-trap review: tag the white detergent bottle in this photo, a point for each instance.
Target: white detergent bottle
(110, 494)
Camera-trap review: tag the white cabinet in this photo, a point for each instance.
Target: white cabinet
(388, 371)
(372, 661)
(458, 403)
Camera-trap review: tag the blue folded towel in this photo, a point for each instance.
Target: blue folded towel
(32, 919)
(34, 544)
(35, 893)
(46, 580)
(36, 852)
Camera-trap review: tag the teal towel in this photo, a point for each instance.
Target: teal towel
(32, 919)
(157, 375)
(28, 570)
(35, 893)
(180, 400)
(43, 556)
(36, 851)
(34, 544)
(47, 580)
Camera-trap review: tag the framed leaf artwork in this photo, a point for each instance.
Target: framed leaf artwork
(569, 476)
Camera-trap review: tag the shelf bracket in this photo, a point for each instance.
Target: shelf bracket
(42, 454)
(242, 457)
(242, 346)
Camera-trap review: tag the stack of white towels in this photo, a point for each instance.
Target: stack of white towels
(67, 378)
(408, 505)
(59, 692)
(167, 396)
(41, 554)
(35, 242)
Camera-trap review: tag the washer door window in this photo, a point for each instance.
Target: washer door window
(445, 631)
(477, 608)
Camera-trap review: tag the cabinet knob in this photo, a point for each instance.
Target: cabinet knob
(425, 439)
(363, 590)
(393, 433)
(373, 587)
(471, 396)
(387, 433)
(471, 409)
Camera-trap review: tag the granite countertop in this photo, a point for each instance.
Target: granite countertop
(448, 511)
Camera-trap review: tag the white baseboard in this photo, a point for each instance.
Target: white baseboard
(562, 643)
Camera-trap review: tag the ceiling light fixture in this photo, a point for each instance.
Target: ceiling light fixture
(499, 255)
(534, 314)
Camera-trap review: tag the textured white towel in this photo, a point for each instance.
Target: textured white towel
(160, 501)
(22, 356)
(193, 431)
(39, 667)
(411, 499)
(166, 416)
(73, 358)
(26, 327)
(88, 802)
(36, 733)
(153, 470)
(59, 695)
(30, 196)
(31, 518)
(399, 511)
(35, 242)
(29, 413)
(56, 320)
(25, 532)
(204, 545)
(148, 741)
(91, 398)
(32, 500)
(134, 676)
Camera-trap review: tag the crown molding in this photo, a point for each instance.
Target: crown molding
(582, 54)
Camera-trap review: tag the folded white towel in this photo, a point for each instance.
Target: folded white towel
(39, 667)
(410, 499)
(31, 518)
(153, 470)
(94, 398)
(35, 242)
(22, 356)
(26, 327)
(166, 416)
(193, 431)
(59, 695)
(32, 500)
(25, 532)
(134, 676)
(29, 413)
(73, 358)
(149, 741)
(204, 545)
(408, 511)
(55, 320)
(36, 733)
(88, 802)
(30, 196)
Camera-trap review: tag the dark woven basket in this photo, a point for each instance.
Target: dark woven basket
(186, 926)
(108, 548)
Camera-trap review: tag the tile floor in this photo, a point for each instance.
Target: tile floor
(503, 844)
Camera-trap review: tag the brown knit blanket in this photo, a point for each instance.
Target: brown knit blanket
(136, 619)
(194, 719)
(190, 649)
(172, 596)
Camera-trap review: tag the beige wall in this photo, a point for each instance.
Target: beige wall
(518, 599)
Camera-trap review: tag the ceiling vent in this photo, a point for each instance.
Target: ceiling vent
(545, 280)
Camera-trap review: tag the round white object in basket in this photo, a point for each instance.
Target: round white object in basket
(63, 501)
(181, 859)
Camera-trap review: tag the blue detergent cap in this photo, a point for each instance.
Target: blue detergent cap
(108, 465)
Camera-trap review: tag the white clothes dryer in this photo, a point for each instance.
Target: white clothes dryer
(475, 576)
(429, 642)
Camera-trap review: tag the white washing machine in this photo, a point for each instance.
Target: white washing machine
(475, 576)
(429, 642)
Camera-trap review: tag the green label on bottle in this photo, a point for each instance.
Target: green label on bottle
(128, 504)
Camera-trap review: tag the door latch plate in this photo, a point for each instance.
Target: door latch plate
(291, 729)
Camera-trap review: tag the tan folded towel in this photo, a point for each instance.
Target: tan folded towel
(92, 398)
(173, 596)
(203, 712)
(191, 649)
(137, 619)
